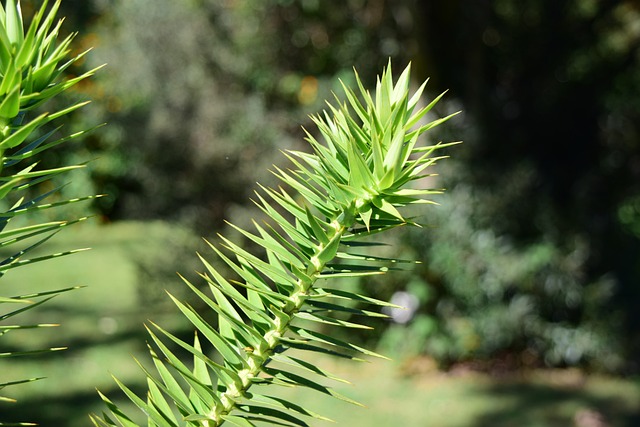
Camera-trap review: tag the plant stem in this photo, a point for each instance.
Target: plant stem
(260, 356)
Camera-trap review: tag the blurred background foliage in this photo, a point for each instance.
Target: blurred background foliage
(534, 253)
(533, 256)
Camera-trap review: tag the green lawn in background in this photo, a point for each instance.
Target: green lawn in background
(102, 325)
(554, 398)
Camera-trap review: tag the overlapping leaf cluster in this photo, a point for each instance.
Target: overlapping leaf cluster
(31, 67)
(352, 186)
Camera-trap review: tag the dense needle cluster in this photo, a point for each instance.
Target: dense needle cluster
(353, 185)
(32, 69)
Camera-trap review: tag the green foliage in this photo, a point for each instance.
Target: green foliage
(32, 64)
(198, 113)
(157, 256)
(555, 117)
(224, 114)
(265, 317)
(490, 297)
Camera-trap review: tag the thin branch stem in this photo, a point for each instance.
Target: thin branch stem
(259, 357)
